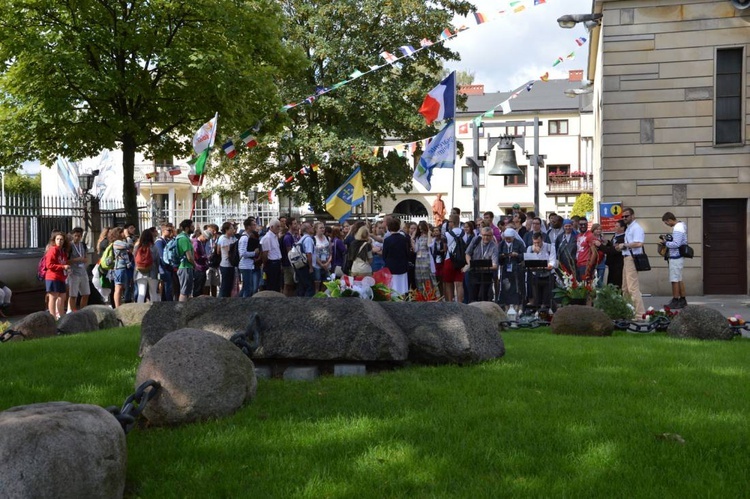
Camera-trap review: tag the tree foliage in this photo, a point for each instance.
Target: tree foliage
(140, 75)
(584, 204)
(340, 128)
(16, 183)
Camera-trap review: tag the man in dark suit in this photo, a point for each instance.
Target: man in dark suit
(396, 256)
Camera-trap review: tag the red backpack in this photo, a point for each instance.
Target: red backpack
(143, 259)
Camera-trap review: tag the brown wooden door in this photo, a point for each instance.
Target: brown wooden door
(724, 247)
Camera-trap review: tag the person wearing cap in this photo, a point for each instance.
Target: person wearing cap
(566, 249)
(510, 257)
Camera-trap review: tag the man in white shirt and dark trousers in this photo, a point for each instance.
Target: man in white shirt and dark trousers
(269, 244)
(673, 242)
(633, 245)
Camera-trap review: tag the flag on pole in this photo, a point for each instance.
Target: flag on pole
(440, 153)
(150, 175)
(424, 42)
(205, 136)
(229, 149)
(505, 106)
(389, 58)
(198, 163)
(350, 194)
(174, 170)
(440, 103)
(407, 50)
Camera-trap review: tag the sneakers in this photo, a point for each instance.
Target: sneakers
(674, 304)
(682, 302)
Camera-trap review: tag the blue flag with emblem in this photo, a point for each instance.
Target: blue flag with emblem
(350, 194)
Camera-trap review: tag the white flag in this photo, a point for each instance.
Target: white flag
(505, 105)
(205, 136)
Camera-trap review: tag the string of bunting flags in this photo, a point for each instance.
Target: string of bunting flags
(248, 139)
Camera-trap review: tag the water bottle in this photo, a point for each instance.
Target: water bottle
(511, 313)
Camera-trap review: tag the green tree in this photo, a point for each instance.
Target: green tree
(22, 184)
(139, 75)
(584, 204)
(341, 127)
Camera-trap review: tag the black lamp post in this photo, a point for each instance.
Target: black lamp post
(86, 183)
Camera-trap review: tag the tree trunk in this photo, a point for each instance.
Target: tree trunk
(129, 195)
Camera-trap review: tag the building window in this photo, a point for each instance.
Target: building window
(558, 127)
(466, 176)
(514, 180)
(555, 172)
(164, 162)
(728, 113)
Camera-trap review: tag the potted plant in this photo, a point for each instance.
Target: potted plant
(571, 291)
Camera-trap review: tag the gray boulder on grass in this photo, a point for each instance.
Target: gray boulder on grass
(703, 323)
(446, 333)
(36, 325)
(297, 328)
(82, 321)
(162, 318)
(580, 320)
(202, 376)
(131, 314)
(105, 316)
(267, 293)
(62, 450)
(492, 311)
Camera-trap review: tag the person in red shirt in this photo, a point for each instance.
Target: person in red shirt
(586, 254)
(56, 263)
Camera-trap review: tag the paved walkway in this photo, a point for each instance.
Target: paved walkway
(728, 305)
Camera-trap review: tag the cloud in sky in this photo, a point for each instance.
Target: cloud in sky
(506, 52)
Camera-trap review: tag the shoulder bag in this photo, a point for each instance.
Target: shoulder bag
(641, 261)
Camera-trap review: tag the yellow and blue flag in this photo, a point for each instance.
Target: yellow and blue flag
(350, 194)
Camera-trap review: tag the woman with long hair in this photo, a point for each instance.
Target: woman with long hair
(56, 262)
(360, 253)
(147, 275)
(120, 246)
(424, 270)
(321, 256)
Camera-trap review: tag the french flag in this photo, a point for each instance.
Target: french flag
(440, 103)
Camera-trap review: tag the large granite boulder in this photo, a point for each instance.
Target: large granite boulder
(162, 318)
(131, 314)
(267, 293)
(700, 322)
(580, 320)
(63, 450)
(202, 376)
(492, 311)
(446, 333)
(81, 321)
(105, 316)
(298, 328)
(36, 325)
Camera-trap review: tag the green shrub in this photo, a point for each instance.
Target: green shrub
(609, 300)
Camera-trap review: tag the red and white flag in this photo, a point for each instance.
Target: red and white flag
(440, 103)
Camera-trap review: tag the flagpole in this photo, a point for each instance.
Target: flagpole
(453, 173)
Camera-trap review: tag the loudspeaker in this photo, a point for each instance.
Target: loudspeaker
(741, 4)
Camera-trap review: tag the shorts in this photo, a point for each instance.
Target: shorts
(122, 277)
(78, 285)
(450, 274)
(185, 276)
(213, 277)
(54, 286)
(675, 269)
(288, 275)
(320, 274)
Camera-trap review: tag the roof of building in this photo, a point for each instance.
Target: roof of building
(544, 97)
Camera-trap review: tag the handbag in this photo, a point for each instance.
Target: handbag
(686, 251)
(641, 262)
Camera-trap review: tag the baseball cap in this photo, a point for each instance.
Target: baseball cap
(516, 206)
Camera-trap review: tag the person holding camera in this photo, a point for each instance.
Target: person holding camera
(673, 242)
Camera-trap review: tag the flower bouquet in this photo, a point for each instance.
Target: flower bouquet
(656, 315)
(736, 320)
(570, 290)
(366, 288)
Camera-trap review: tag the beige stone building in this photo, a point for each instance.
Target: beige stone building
(671, 109)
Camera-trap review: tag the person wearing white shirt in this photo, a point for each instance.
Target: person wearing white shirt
(633, 245)
(272, 256)
(225, 267)
(673, 242)
(249, 252)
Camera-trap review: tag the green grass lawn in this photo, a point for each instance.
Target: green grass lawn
(558, 416)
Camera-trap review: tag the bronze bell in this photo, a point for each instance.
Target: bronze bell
(505, 159)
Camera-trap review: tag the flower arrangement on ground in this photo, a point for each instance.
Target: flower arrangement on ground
(366, 288)
(429, 293)
(609, 299)
(571, 290)
(736, 320)
(652, 314)
(3, 326)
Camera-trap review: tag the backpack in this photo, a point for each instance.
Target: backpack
(297, 256)
(458, 253)
(172, 254)
(351, 255)
(144, 260)
(234, 253)
(41, 268)
(107, 261)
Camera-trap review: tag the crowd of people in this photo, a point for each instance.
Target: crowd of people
(512, 260)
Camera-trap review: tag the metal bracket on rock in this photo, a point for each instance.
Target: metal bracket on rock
(243, 339)
(9, 334)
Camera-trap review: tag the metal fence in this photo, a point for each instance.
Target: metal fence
(26, 222)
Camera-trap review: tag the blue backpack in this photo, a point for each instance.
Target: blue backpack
(171, 253)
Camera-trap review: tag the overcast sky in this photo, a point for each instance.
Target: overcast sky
(506, 52)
